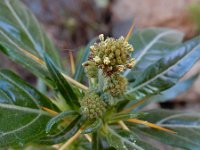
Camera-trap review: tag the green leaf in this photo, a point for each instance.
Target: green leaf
(150, 45)
(166, 71)
(22, 119)
(130, 142)
(176, 90)
(186, 124)
(94, 127)
(169, 94)
(21, 26)
(22, 38)
(38, 147)
(79, 68)
(64, 134)
(63, 86)
(59, 117)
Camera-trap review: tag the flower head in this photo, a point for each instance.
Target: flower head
(111, 55)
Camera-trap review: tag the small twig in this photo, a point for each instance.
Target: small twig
(130, 32)
(72, 139)
(72, 62)
(123, 125)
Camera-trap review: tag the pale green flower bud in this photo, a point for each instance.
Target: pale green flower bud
(115, 85)
(90, 69)
(106, 61)
(92, 105)
(97, 59)
(101, 37)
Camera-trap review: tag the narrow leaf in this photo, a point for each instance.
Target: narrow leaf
(63, 86)
(94, 127)
(122, 143)
(22, 119)
(150, 45)
(186, 124)
(19, 30)
(165, 72)
(64, 134)
(59, 117)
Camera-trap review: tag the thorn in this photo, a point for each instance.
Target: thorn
(130, 32)
(72, 62)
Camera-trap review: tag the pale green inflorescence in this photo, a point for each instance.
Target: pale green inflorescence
(112, 57)
(92, 105)
(115, 85)
(90, 69)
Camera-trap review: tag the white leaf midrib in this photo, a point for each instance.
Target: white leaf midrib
(24, 109)
(159, 36)
(7, 2)
(21, 128)
(14, 83)
(176, 116)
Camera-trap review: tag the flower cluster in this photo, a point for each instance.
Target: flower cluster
(92, 105)
(115, 85)
(90, 69)
(111, 55)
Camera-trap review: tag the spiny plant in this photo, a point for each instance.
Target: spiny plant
(124, 75)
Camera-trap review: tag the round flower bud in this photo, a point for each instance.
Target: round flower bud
(101, 37)
(90, 69)
(106, 60)
(115, 85)
(92, 106)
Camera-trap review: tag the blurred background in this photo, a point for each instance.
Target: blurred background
(73, 23)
